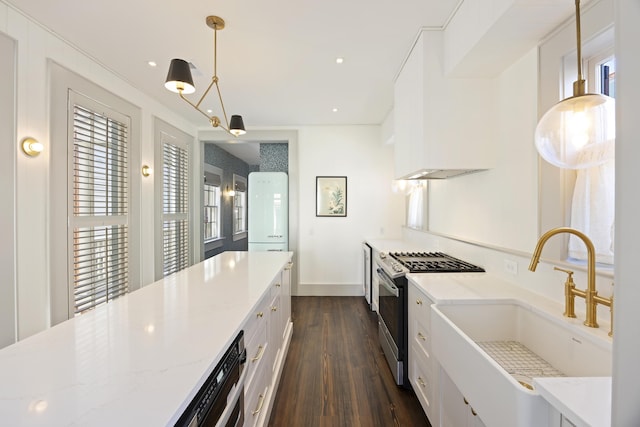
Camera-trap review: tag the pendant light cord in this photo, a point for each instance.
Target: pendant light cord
(579, 41)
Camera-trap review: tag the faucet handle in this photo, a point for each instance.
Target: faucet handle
(569, 272)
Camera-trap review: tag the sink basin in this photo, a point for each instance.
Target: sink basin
(465, 334)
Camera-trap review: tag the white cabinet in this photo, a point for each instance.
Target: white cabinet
(441, 123)
(267, 337)
(423, 368)
(455, 409)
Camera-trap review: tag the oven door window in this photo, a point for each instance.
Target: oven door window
(390, 306)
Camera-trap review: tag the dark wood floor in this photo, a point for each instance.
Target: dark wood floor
(335, 373)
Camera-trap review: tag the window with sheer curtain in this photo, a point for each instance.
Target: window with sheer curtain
(593, 202)
(416, 205)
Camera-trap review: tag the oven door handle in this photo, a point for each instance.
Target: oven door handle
(388, 283)
(231, 401)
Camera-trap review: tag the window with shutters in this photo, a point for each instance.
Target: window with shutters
(175, 197)
(98, 220)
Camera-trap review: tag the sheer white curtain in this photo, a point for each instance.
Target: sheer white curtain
(592, 212)
(415, 211)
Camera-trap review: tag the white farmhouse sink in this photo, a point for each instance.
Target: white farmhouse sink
(461, 330)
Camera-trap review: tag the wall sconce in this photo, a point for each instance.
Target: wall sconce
(179, 80)
(229, 192)
(31, 147)
(579, 131)
(146, 170)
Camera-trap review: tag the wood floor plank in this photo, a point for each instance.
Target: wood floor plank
(335, 373)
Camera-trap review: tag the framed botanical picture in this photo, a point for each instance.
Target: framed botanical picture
(331, 196)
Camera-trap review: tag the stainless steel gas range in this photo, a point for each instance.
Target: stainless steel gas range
(392, 293)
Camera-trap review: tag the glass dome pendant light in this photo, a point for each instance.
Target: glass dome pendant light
(578, 132)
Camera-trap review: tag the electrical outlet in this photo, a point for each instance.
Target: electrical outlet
(510, 267)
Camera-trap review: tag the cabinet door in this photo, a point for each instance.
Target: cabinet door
(408, 115)
(285, 297)
(453, 412)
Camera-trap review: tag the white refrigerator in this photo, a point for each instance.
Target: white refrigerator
(268, 206)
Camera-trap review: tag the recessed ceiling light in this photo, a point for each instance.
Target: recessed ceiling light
(339, 60)
(152, 63)
(335, 110)
(209, 111)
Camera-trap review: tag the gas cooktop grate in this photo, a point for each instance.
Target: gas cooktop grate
(434, 262)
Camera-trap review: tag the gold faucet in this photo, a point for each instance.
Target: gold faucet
(590, 295)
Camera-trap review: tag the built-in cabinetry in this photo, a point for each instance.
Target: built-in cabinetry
(455, 409)
(267, 336)
(423, 368)
(443, 125)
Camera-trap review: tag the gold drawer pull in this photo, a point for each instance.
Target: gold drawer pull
(419, 301)
(466, 402)
(421, 382)
(259, 354)
(422, 337)
(277, 285)
(260, 403)
(259, 314)
(274, 308)
(474, 412)
(289, 266)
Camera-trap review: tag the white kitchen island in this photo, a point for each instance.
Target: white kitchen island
(140, 359)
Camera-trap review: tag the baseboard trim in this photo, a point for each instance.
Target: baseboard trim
(330, 290)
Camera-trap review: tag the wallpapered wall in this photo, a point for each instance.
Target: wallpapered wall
(274, 157)
(230, 165)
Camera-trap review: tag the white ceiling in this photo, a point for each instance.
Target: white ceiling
(276, 59)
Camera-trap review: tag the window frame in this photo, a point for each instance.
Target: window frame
(557, 71)
(209, 169)
(63, 82)
(166, 133)
(239, 182)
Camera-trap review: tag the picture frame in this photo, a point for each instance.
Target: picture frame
(331, 196)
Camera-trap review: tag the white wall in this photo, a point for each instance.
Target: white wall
(498, 206)
(35, 46)
(330, 248)
(626, 344)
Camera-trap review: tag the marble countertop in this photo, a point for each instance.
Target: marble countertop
(585, 401)
(139, 359)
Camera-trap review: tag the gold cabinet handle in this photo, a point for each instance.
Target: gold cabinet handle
(274, 308)
(419, 301)
(474, 412)
(260, 403)
(258, 355)
(289, 266)
(277, 285)
(466, 402)
(421, 382)
(259, 314)
(422, 337)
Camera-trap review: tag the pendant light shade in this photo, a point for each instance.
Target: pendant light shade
(180, 81)
(236, 125)
(179, 77)
(578, 132)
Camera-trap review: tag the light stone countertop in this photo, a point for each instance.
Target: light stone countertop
(585, 401)
(139, 359)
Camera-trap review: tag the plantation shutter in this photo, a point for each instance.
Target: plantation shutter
(175, 224)
(98, 219)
